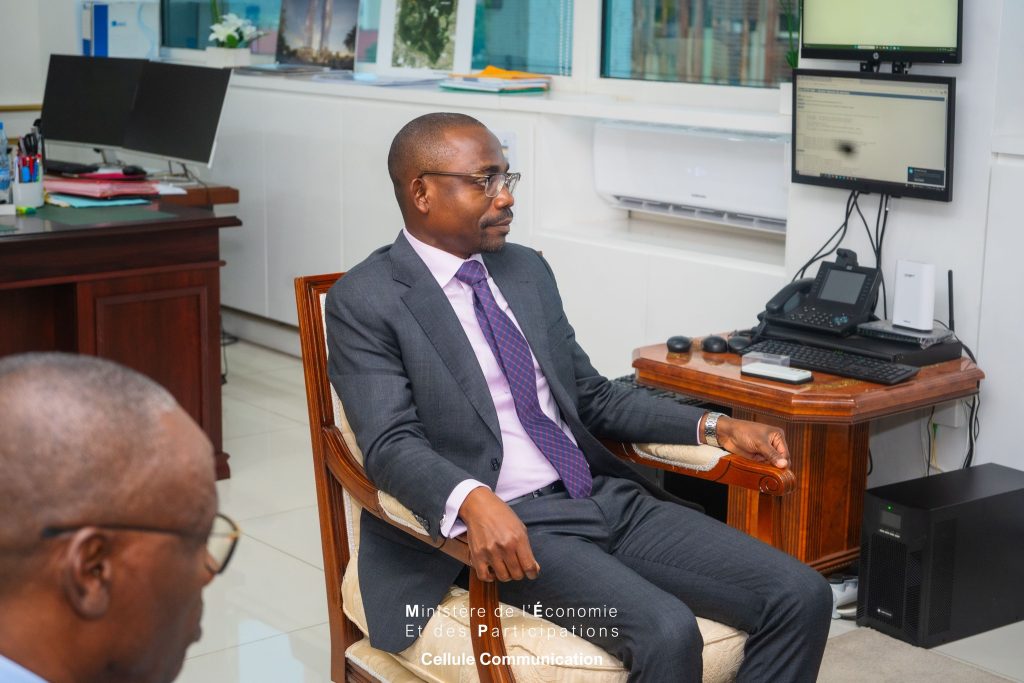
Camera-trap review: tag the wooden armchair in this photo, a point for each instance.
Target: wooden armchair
(343, 490)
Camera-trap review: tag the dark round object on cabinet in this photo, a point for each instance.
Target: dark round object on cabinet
(678, 344)
(714, 344)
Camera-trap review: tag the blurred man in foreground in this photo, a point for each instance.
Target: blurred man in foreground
(110, 527)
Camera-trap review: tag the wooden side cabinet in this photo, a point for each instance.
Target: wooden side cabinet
(826, 425)
(181, 325)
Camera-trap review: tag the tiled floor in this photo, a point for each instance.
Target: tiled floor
(266, 617)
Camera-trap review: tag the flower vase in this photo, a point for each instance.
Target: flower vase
(227, 57)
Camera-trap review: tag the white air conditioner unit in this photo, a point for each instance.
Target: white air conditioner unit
(734, 178)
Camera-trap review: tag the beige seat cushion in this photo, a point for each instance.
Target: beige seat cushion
(383, 666)
(539, 650)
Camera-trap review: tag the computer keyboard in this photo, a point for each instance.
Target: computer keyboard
(683, 399)
(836, 362)
(58, 167)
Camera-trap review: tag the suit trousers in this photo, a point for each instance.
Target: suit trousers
(629, 572)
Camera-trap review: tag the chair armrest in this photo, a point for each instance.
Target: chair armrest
(484, 612)
(705, 462)
(380, 504)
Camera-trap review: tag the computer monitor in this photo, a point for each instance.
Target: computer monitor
(874, 132)
(177, 111)
(882, 30)
(88, 100)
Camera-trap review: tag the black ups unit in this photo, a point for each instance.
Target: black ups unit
(942, 557)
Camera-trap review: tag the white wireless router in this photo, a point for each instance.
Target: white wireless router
(914, 305)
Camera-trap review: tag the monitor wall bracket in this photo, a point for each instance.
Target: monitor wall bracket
(874, 64)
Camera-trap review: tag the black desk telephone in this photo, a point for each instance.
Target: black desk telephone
(841, 297)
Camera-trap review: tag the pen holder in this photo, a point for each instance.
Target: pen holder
(28, 181)
(28, 194)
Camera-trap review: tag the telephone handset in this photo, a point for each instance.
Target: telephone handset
(839, 298)
(789, 297)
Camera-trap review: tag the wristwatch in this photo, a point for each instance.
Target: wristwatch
(711, 429)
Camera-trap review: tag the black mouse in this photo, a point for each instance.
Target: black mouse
(678, 344)
(738, 342)
(714, 344)
(132, 170)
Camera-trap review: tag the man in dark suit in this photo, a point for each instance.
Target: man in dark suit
(476, 408)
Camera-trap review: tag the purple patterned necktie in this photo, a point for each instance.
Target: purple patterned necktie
(513, 354)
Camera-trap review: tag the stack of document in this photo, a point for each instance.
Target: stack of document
(493, 79)
(99, 189)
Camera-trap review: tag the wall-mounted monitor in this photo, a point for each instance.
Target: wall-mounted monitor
(177, 111)
(882, 30)
(874, 132)
(88, 100)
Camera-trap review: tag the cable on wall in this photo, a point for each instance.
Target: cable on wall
(851, 201)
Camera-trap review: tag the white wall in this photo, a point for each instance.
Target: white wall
(30, 30)
(1008, 133)
(627, 282)
(1001, 327)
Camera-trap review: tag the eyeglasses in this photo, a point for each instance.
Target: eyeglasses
(491, 182)
(220, 543)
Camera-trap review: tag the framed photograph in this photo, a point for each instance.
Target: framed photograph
(318, 32)
(425, 37)
(425, 34)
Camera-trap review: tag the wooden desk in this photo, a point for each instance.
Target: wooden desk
(826, 425)
(136, 284)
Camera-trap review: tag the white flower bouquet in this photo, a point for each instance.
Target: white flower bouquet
(230, 30)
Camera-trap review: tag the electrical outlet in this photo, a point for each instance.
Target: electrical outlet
(950, 414)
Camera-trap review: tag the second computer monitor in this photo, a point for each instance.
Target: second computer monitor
(177, 111)
(88, 100)
(874, 132)
(882, 30)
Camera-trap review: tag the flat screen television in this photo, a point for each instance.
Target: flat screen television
(874, 132)
(88, 100)
(177, 112)
(882, 30)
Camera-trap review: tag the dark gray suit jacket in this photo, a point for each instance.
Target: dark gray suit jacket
(423, 416)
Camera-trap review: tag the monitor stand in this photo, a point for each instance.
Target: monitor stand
(184, 176)
(109, 157)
